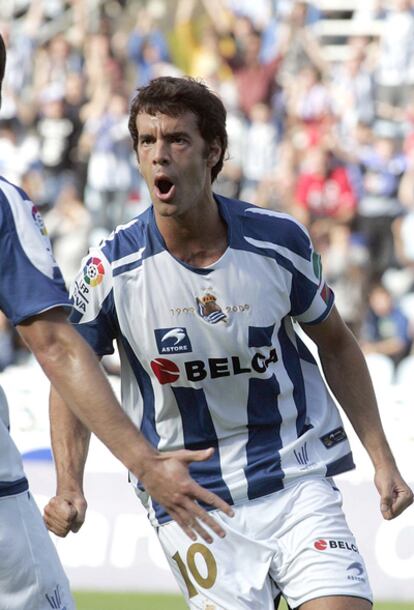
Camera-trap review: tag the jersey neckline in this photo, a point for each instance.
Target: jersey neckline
(208, 268)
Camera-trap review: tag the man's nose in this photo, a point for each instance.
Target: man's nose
(161, 153)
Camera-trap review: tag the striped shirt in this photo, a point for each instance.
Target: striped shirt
(210, 356)
(30, 283)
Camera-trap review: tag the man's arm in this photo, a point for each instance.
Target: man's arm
(74, 371)
(347, 375)
(65, 512)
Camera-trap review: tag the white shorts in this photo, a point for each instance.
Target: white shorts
(295, 542)
(31, 575)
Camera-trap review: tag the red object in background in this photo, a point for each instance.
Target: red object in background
(325, 196)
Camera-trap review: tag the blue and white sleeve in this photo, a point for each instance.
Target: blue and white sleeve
(311, 298)
(30, 279)
(93, 311)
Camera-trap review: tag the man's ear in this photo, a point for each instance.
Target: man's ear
(214, 153)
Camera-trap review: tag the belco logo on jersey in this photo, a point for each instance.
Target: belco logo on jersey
(38, 220)
(93, 271)
(322, 545)
(167, 371)
(209, 309)
(172, 340)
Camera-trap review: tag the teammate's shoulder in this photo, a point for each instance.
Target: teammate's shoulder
(10, 192)
(15, 206)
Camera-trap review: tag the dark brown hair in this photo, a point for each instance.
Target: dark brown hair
(2, 58)
(175, 96)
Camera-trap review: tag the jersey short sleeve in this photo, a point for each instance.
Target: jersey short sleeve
(30, 280)
(311, 298)
(92, 302)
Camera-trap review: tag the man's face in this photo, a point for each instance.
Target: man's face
(174, 162)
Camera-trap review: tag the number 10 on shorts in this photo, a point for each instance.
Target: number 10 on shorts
(205, 582)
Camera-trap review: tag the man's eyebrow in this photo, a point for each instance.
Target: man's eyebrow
(168, 134)
(143, 135)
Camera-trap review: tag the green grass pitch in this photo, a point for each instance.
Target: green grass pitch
(133, 601)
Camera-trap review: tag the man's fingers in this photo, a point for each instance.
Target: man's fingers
(394, 503)
(210, 498)
(59, 516)
(402, 500)
(200, 455)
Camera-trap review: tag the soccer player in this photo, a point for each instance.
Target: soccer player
(203, 295)
(33, 297)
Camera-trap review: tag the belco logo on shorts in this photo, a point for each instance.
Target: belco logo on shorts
(167, 371)
(324, 544)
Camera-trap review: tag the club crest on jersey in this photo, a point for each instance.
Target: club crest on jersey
(209, 309)
(172, 340)
(39, 220)
(93, 271)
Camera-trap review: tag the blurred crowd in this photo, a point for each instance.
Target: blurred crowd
(330, 142)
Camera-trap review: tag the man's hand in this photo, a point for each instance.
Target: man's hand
(395, 494)
(167, 480)
(64, 513)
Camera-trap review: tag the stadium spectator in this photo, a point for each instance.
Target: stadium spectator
(385, 329)
(323, 189)
(394, 75)
(259, 150)
(59, 129)
(105, 142)
(381, 166)
(147, 46)
(352, 91)
(298, 45)
(346, 263)
(255, 81)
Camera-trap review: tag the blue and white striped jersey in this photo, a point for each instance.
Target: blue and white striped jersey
(210, 358)
(30, 283)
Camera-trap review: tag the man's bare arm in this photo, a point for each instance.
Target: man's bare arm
(74, 371)
(65, 512)
(347, 375)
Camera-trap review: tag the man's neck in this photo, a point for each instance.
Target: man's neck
(198, 238)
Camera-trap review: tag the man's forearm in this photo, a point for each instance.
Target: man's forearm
(65, 357)
(347, 375)
(70, 444)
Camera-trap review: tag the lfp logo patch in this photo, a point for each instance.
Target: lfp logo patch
(38, 220)
(93, 272)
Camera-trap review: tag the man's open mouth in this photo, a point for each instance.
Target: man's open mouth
(164, 188)
(163, 185)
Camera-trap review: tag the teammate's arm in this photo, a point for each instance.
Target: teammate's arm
(347, 375)
(77, 377)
